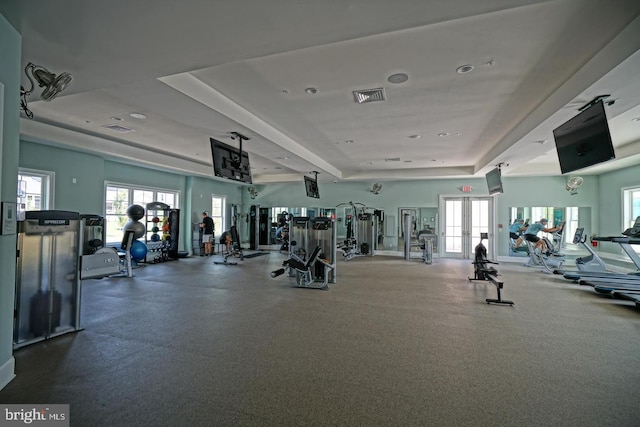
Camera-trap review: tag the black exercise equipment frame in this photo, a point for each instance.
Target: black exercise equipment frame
(482, 272)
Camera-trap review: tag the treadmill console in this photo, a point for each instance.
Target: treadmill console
(577, 238)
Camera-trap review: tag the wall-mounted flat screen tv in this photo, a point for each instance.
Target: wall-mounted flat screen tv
(584, 140)
(311, 186)
(494, 181)
(229, 163)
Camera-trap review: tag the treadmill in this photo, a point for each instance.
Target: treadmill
(632, 237)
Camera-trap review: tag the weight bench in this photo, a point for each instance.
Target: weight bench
(305, 271)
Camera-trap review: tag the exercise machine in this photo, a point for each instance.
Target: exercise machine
(483, 272)
(234, 250)
(361, 231)
(552, 259)
(48, 286)
(96, 261)
(632, 237)
(318, 268)
(591, 262)
(426, 242)
(522, 250)
(305, 271)
(298, 236)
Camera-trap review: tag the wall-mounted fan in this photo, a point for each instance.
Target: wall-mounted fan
(573, 183)
(253, 192)
(376, 188)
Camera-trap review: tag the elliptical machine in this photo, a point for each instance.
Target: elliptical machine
(591, 262)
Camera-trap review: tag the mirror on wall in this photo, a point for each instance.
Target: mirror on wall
(573, 216)
(423, 219)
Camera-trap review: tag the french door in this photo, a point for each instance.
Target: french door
(464, 218)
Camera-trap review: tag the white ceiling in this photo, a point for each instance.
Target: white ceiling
(200, 69)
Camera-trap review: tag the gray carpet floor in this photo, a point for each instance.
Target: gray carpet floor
(392, 343)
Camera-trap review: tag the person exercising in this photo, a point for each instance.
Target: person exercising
(516, 228)
(531, 234)
(207, 233)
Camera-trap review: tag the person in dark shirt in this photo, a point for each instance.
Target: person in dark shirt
(208, 229)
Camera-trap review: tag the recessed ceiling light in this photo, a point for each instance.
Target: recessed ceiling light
(398, 78)
(636, 119)
(415, 136)
(284, 91)
(540, 141)
(349, 141)
(117, 119)
(312, 90)
(138, 115)
(464, 69)
(283, 158)
(443, 134)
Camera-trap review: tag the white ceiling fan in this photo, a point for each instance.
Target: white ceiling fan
(573, 183)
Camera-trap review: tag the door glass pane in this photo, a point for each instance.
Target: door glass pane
(480, 222)
(453, 226)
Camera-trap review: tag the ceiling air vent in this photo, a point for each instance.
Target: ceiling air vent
(368, 95)
(119, 128)
(392, 159)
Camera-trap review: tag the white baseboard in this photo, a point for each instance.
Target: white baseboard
(7, 372)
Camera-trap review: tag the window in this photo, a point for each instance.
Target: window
(35, 191)
(571, 225)
(630, 209)
(118, 197)
(218, 209)
(630, 206)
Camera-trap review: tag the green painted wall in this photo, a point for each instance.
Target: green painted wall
(85, 195)
(610, 202)
(10, 43)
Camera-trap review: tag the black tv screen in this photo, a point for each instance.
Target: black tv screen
(494, 181)
(228, 163)
(584, 140)
(311, 186)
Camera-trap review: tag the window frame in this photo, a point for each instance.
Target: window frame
(219, 221)
(47, 187)
(131, 189)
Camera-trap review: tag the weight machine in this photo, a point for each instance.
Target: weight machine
(426, 242)
(362, 231)
(317, 269)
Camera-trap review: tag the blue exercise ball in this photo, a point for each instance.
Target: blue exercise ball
(138, 250)
(135, 212)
